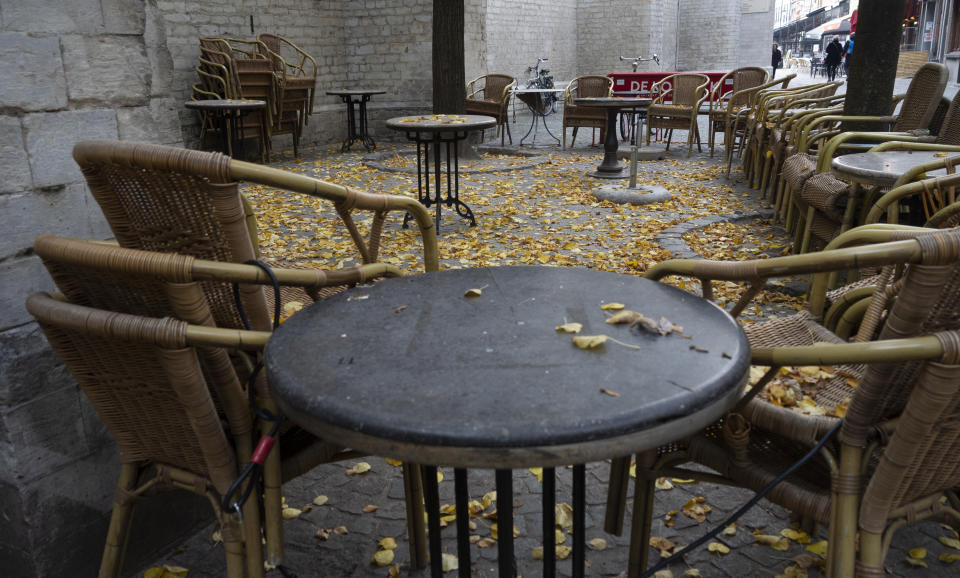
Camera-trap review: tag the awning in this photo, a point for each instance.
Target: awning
(838, 26)
(853, 22)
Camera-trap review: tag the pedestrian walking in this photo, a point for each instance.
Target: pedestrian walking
(847, 54)
(834, 58)
(776, 60)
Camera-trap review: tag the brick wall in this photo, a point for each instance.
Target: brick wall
(520, 32)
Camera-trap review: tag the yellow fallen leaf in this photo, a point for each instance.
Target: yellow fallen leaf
(488, 498)
(563, 515)
(950, 542)
(563, 552)
(449, 562)
(718, 547)
(387, 543)
(625, 316)
(663, 484)
(475, 292)
(537, 553)
(948, 558)
(612, 306)
(359, 468)
(393, 462)
(691, 573)
(776, 542)
(915, 562)
(663, 574)
(609, 392)
(537, 472)
(682, 480)
(730, 530)
(589, 341)
(394, 571)
(341, 530)
(819, 548)
(289, 309)
(320, 500)
(290, 513)
(216, 537)
(917, 553)
(382, 558)
(570, 327)
(439, 476)
(166, 571)
(796, 535)
(322, 533)
(486, 542)
(597, 544)
(370, 508)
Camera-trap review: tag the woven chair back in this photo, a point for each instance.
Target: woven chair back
(928, 302)
(744, 79)
(172, 200)
(948, 131)
(922, 97)
(592, 86)
(147, 386)
(495, 85)
(685, 88)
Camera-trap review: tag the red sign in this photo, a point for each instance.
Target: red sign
(642, 82)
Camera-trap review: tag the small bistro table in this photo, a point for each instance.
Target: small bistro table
(610, 167)
(430, 132)
(877, 169)
(356, 131)
(537, 104)
(226, 113)
(412, 368)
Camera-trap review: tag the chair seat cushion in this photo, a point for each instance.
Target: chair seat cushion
(827, 194)
(798, 168)
(670, 110)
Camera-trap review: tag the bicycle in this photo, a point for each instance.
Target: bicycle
(542, 79)
(628, 120)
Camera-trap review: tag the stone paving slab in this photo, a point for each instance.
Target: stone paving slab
(349, 554)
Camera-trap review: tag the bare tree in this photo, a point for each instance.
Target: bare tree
(873, 67)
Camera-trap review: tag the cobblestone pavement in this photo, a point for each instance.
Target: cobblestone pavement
(349, 553)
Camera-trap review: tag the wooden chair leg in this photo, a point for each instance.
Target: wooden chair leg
(111, 564)
(617, 495)
(643, 488)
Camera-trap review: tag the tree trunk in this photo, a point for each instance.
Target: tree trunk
(448, 75)
(873, 67)
(449, 78)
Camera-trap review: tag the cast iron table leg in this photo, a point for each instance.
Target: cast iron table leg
(505, 560)
(461, 496)
(549, 523)
(365, 137)
(431, 498)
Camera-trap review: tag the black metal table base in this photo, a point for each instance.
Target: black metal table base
(506, 559)
(357, 132)
(451, 174)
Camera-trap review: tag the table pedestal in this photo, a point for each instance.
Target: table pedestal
(357, 132)
(610, 167)
(442, 144)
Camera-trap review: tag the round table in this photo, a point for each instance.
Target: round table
(883, 167)
(540, 106)
(226, 114)
(356, 132)
(611, 168)
(430, 132)
(413, 368)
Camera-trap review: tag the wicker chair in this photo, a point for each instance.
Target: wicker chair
(584, 116)
(737, 121)
(490, 95)
(144, 377)
(296, 68)
(828, 206)
(897, 454)
(165, 199)
(917, 109)
(743, 80)
(686, 92)
(105, 276)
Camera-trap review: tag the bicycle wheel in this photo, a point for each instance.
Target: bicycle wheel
(626, 126)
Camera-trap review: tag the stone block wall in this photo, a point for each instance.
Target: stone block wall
(520, 32)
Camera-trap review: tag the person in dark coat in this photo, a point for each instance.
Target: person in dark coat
(776, 60)
(834, 57)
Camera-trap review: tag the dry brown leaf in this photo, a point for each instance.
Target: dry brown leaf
(570, 327)
(369, 508)
(589, 341)
(609, 392)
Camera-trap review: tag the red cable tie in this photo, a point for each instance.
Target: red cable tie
(263, 449)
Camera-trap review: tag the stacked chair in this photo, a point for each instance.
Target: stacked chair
(686, 93)
(576, 116)
(918, 108)
(895, 459)
(184, 229)
(738, 121)
(256, 70)
(745, 80)
(489, 95)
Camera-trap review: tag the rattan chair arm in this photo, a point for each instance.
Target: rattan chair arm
(928, 347)
(204, 336)
(887, 202)
(840, 308)
(834, 118)
(945, 214)
(204, 270)
(471, 89)
(914, 144)
(829, 150)
(347, 199)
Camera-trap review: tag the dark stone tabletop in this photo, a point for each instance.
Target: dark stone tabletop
(412, 368)
(882, 167)
(226, 104)
(351, 92)
(441, 122)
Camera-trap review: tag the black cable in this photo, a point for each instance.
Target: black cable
(743, 509)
